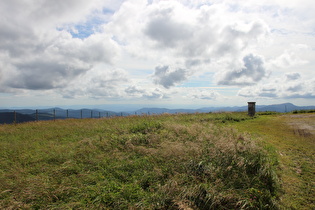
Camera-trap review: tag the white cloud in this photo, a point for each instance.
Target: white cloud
(167, 25)
(167, 77)
(53, 63)
(37, 55)
(203, 94)
(288, 59)
(185, 95)
(174, 33)
(142, 93)
(99, 83)
(157, 50)
(291, 85)
(252, 71)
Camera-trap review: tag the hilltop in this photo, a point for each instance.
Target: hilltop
(182, 161)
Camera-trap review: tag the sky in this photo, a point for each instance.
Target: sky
(160, 53)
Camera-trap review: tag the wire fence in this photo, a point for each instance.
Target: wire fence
(19, 116)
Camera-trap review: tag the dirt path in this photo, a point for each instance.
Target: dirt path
(293, 137)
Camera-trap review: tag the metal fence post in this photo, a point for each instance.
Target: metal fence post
(14, 117)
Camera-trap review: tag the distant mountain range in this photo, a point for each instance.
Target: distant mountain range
(8, 117)
(286, 107)
(24, 115)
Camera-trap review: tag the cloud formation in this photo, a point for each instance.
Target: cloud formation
(292, 76)
(149, 94)
(185, 35)
(167, 77)
(37, 56)
(98, 83)
(290, 85)
(253, 71)
(127, 49)
(189, 33)
(204, 94)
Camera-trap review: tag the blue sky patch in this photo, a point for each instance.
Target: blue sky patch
(87, 29)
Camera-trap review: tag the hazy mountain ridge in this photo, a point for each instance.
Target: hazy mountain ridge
(8, 117)
(285, 107)
(24, 115)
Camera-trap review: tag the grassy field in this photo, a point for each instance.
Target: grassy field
(293, 137)
(183, 161)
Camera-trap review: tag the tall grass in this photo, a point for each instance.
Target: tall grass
(292, 139)
(138, 162)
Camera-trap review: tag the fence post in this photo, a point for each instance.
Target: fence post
(36, 115)
(54, 114)
(99, 114)
(14, 117)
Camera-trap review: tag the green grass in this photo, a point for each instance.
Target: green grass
(295, 149)
(196, 161)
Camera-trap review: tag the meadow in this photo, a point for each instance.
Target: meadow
(182, 161)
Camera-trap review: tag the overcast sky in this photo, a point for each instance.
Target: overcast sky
(159, 53)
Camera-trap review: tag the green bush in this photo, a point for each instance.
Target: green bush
(303, 111)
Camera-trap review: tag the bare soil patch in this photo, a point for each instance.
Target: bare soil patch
(302, 124)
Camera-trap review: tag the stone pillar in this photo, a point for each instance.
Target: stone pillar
(251, 108)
